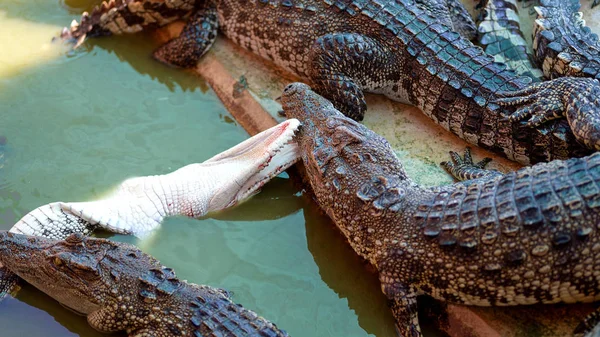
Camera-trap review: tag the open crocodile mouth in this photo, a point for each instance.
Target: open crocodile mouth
(281, 159)
(263, 156)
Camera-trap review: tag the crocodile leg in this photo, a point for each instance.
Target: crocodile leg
(403, 303)
(576, 99)
(343, 64)
(451, 13)
(194, 41)
(462, 21)
(590, 326)
(499, 32)
(464, 169)
(143, 333)
(8, 282)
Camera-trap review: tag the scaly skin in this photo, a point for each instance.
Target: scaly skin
(139, 204)
(500, 35)
(119, 288)
(395, 48)
(563, 45)
(524, 237)
(451, 13)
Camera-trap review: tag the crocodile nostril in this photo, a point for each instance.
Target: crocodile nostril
(290, 89)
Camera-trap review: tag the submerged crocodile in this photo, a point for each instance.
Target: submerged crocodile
(525, 237)
(140, 204)
(119, 288)
(392, 47)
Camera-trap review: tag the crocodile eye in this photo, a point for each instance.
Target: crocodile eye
(75, 238)
(58, 261)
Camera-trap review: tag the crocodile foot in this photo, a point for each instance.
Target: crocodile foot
(463, 168)
(8, 283)
(194, 41)
(539, 102)
(590, 326)
(577, 99)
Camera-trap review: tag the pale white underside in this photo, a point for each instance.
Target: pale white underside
(139, 205)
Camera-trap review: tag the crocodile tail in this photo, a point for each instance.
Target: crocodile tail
(500, 35)
(126, 16)
(214, 314)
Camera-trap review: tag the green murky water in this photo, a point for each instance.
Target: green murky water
(76, 126)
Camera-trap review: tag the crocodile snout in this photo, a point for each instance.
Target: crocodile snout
(293, 88)
(13, 245)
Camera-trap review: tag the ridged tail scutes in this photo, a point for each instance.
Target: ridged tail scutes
(214, 312)
(125, 16)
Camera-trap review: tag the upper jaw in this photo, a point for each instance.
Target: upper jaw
(12, 245)
(299, 101)
(279, 160)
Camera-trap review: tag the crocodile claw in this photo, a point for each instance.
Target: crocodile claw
(539, 102)
(575, 98)
(463, 168)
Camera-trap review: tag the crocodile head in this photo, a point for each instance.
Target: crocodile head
(120, 288)
(353, 171)
(69, 271)
(242, 170)
(330, 141)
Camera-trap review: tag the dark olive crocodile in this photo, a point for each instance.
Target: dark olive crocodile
(392, 47)
(120, 288)
(563, 44)
(525, 237)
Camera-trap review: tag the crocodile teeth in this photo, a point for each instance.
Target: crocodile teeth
(79, 41)
(65, 33)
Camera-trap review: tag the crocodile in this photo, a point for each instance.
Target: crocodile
(139, 204)
(519, 238)
(120, 288)
(563, 45)
(499, 33)
(391, 47)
